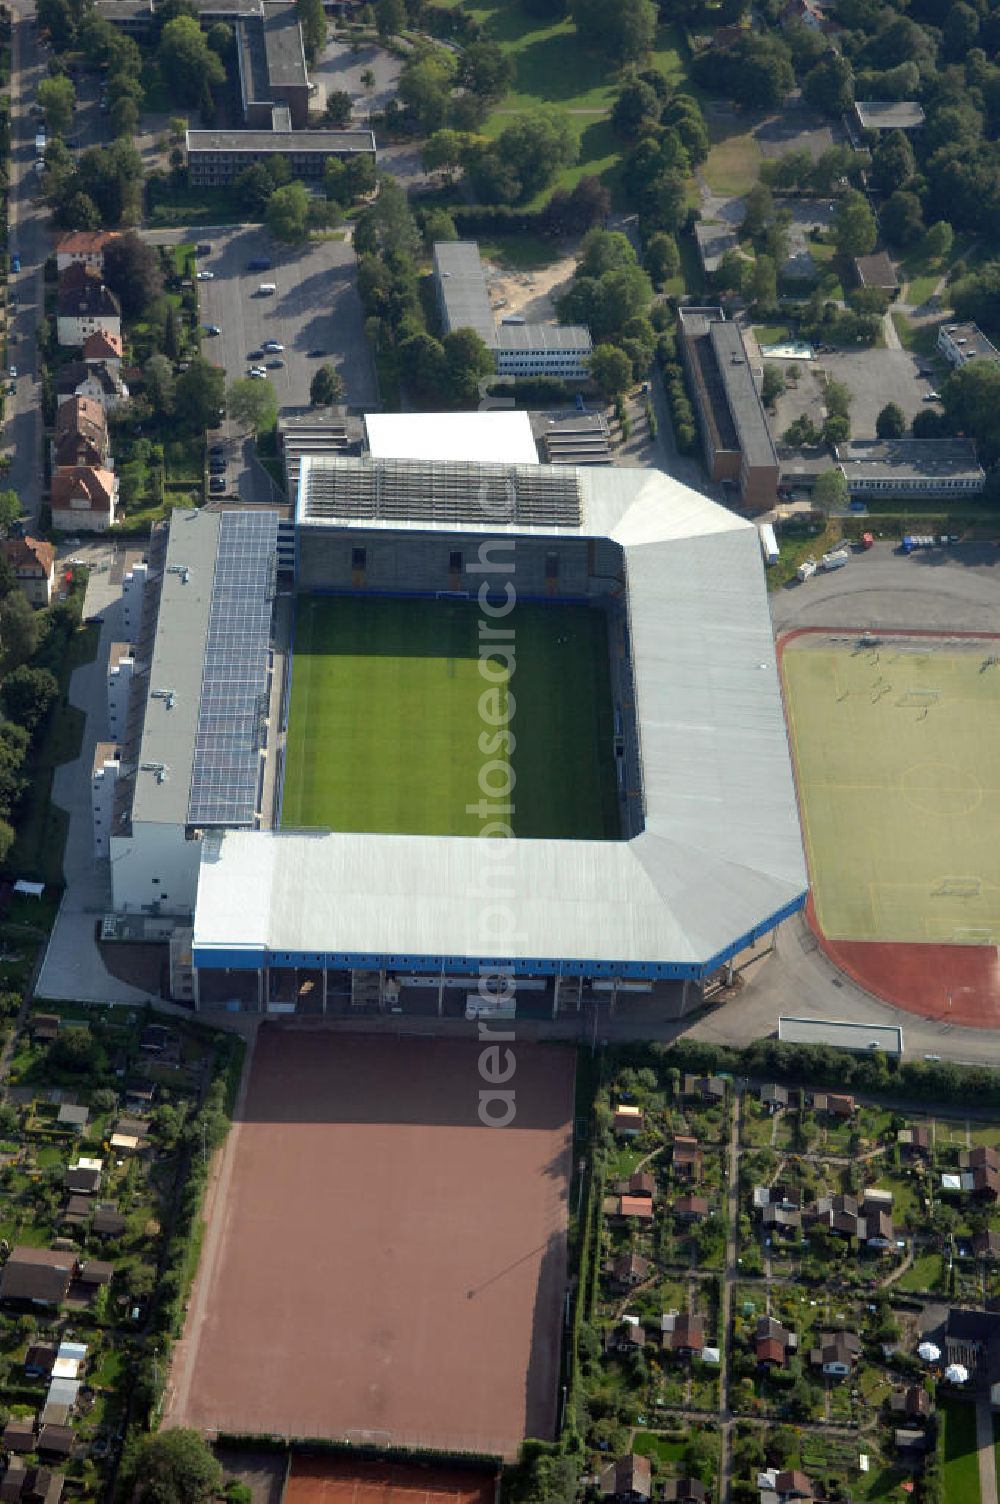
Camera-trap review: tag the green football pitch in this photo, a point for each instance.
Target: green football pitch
(899, 787)
(386, 728)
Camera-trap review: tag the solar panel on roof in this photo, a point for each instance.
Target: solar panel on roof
(233, 704)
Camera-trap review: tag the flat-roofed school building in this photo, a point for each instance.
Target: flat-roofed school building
(911, 467)
(736, 441)
(215, 158)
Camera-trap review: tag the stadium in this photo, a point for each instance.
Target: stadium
(434, 652)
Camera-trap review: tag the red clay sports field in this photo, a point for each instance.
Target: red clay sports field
(378, 1266)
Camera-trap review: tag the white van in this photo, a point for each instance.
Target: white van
(267, 290)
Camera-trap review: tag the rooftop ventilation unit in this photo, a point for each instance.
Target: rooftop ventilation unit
(182, 570)
(159, 768)
(169, 695)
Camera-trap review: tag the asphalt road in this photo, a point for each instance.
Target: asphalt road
(28, 238)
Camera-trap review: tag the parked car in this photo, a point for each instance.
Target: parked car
(257, 373)
(15, 262)
(254, 355)
(217, 449)
(211, 329)
(13, 373)
(273, 346)
(217, 484)
(203, 250)
(205, 276)
(259, 264)
(315, 354)
(275, 365)
(932, 396)
(217, 467)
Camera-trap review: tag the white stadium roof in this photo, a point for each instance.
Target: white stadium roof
(719, 861)
(501, 437)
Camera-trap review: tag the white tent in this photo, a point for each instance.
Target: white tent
(929, 1352)
(33, 890)
(956, 1373)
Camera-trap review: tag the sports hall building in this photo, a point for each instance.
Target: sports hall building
(710, 856)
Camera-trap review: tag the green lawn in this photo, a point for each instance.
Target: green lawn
(733, 164)
(898, 787)
(390, 720)
(960, 1459)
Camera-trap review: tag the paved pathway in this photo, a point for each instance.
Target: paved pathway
(984, 1441)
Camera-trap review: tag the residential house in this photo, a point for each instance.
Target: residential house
(986, 1244)
(877, 271)
(705, 1088)
(73, 1115)
(773, 1343)
(914, 1143)
(83, 248)
(775, 1195)
(84, 1178)
(879, 1231)
(781, 1221)
(95, 1272)
(690, 1208)
(914, 1402)
(628, 1121)
(84, 499)
(635, 1208)
(108, 1221)
(628, 1337)
(982, 1167)
(42, 1486)
(34, 564)
(834, 1104)
(13, 1481)
(101, 381)
(56, 1441)
(19, 1435)
(629, 1270)
(686, 1157)
(908, 1439)
(138, 1097)
(103, 348)
(838, 1215)
(684, 1491)
(36, 1276)
(683, 1334)
(44, 1027)
(76, 1211)
(38, 1359)
(81, 433)
(836, 1354)
(791, 1484)
(773, 1096)
(85, 306)
(639, 1184)
(628, 1480)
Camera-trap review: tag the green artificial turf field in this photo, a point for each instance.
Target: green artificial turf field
(384, 721)
(899, 787)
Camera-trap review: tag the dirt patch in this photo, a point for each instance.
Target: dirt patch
(373, 1232)
(262, 1472)
(531, 295)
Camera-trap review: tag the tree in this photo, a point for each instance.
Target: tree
(56, 17)
(28, 695)
(200, 395)
(623, 31)
(422, 365)
(485, 70)
(830, 491)
(326, 387)
(829, 87)
(902, 219)
(772, 385)
(159, 376)
(759, 211)
(175, 1467)
(893, 162)
(438, 226)
(938, 241)
(467, 361)
(132, 270)
(836, 429)
(636, 110)
(339, 106)
(19, 629)
(891, 422)
(287, 213)
(10, 511)
(604, 251)
(425, 86)
(611, 369)
(188, 64)
(854, 225)
(755, 69)
(312, 19)
(764, 282)
(390, 18)
(662, 258)
(537, 146)
(388, 224)
(57, 97)
(125, 116)
(971, 400)
(252, 404)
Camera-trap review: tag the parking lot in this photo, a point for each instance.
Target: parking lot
(315, 313)
(874, 377)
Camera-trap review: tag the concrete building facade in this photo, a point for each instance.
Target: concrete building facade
(736, 442)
